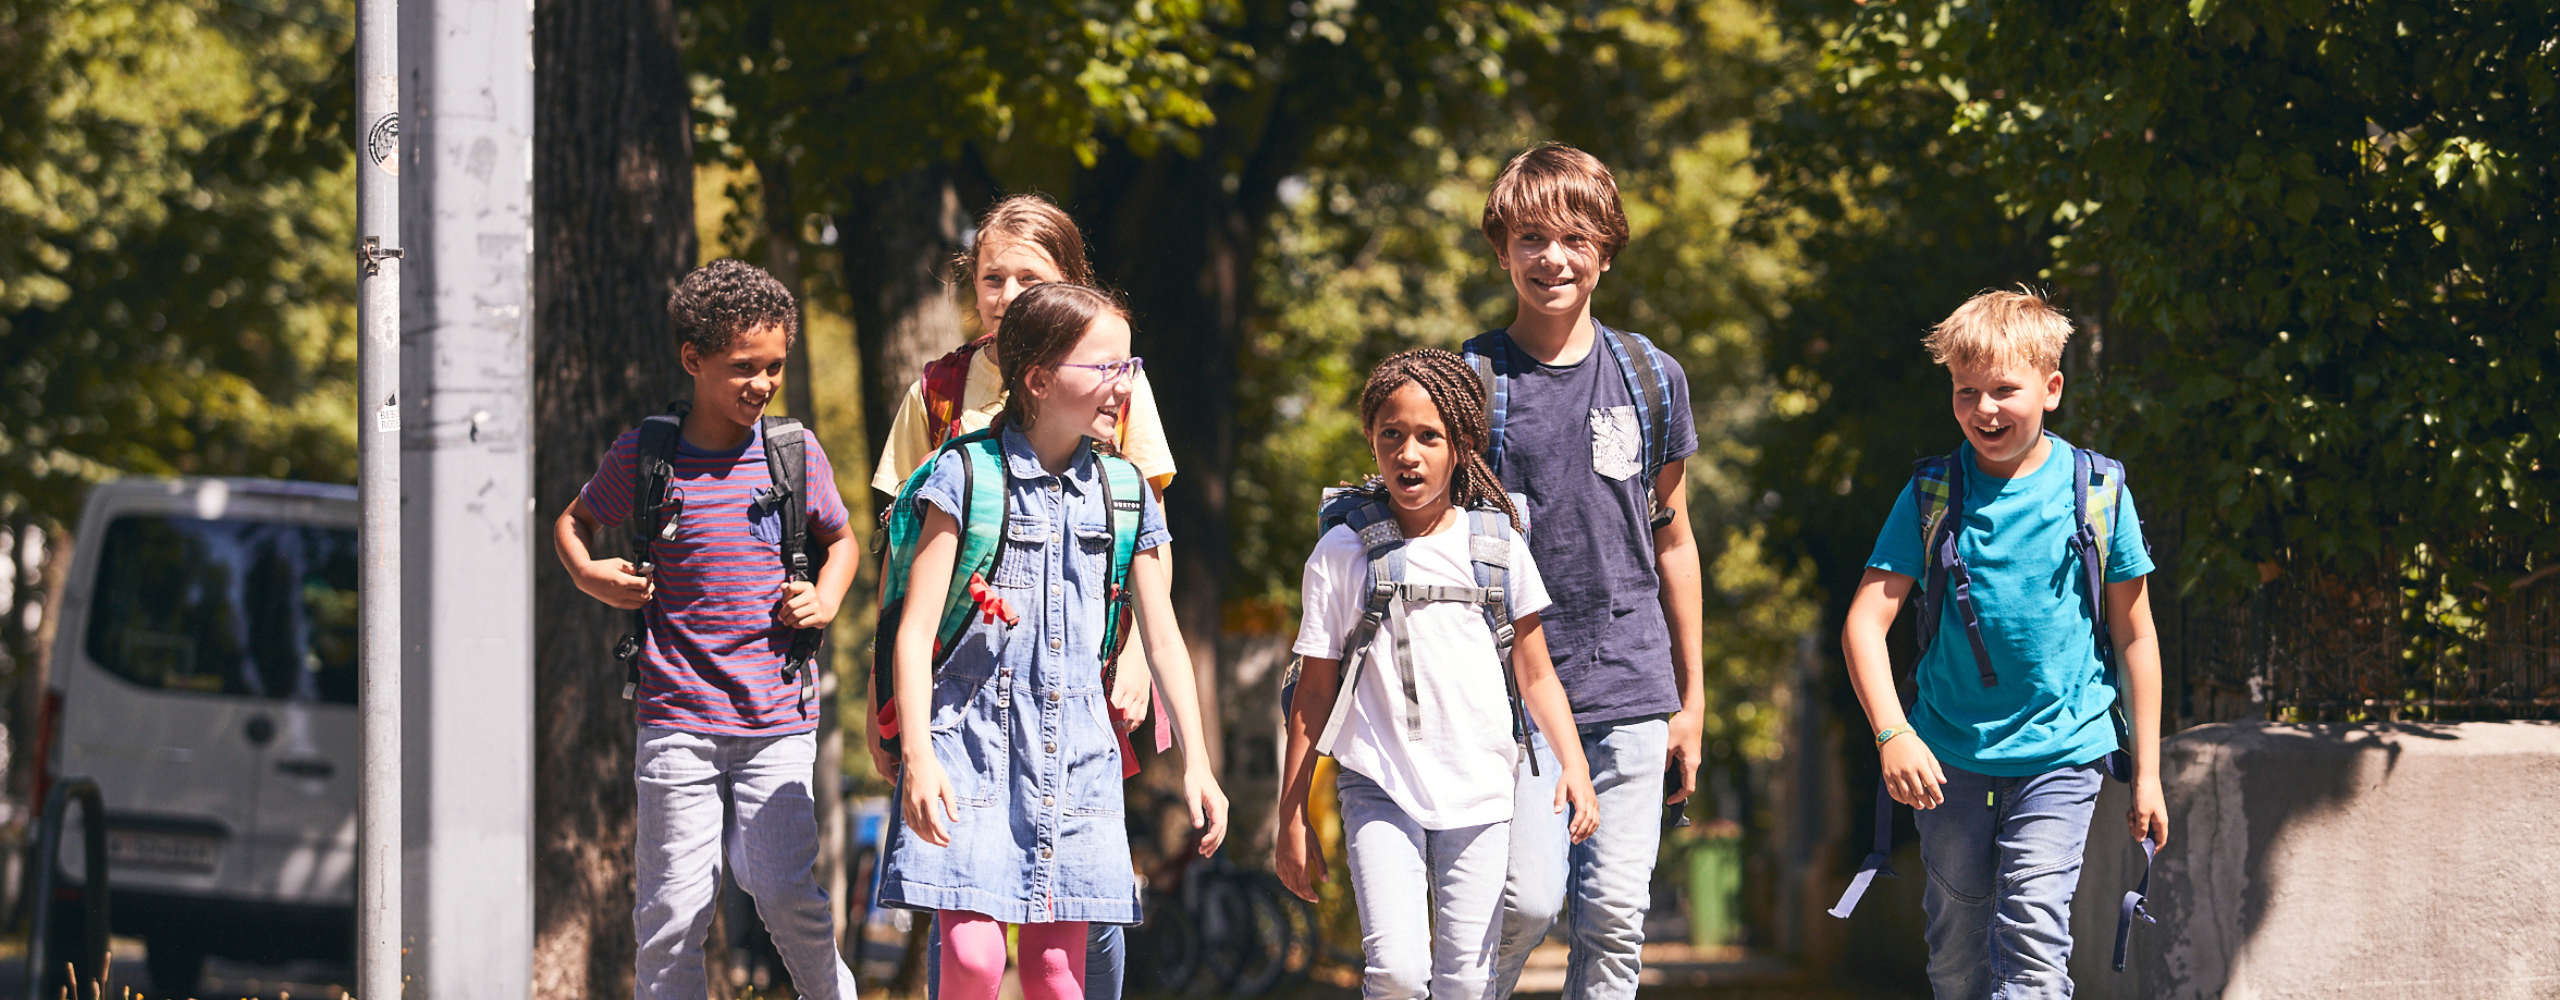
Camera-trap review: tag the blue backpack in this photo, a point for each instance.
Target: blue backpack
(1489, 539)
(1937, 487)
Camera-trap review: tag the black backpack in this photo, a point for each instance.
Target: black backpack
(655, 514)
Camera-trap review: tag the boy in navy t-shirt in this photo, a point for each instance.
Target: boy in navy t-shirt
(1593, 425)
(716, 709)
(2001, 753)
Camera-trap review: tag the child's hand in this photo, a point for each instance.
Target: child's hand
(1297, 855)
(1208, 807)
(802, 607)
(1129, 690)
(615, 582)
(2150, 813)
(1911, 772)
(927, 787)
(1575, 791)
(883, 763)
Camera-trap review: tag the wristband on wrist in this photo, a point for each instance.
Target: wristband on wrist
(1888, 733)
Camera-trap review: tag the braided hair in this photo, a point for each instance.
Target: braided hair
(1459, 396)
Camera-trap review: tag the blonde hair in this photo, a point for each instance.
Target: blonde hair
(1560, 190)
(1998, 329)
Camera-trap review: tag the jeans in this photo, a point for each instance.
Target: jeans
(1430, 900)
(2004, 857)
(773, 846)
(1604, 884)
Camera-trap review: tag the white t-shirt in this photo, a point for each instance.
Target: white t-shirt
(1461, 772)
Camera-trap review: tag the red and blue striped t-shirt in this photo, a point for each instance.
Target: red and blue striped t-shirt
(711, 658)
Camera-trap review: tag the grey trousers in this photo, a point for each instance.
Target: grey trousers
(773, 846)
(1430, 900)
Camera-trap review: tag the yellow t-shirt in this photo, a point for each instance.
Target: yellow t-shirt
(982, 399)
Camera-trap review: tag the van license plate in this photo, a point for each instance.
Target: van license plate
(168, 851)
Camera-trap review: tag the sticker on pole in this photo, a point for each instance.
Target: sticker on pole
(386, 418)
(382, 144)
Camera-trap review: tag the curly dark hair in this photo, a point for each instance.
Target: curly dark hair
(1459, 395)
(1040, 328)
(727, 297)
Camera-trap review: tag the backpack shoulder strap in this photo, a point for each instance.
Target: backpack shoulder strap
(1640, 363)
(653, 472)
(944, 384)
(1123, 499)
(1490, 355)
(981, 533)
(1489, 541)
(653, 469)
(1382, 547)
(786, 464)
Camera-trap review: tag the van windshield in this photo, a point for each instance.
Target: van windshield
(258, 608)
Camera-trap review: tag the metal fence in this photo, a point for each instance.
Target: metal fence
(2327, 649)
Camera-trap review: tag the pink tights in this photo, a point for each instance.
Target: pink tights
(973, 958)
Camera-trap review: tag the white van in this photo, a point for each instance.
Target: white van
(204, 672)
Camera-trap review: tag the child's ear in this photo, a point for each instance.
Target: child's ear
(690, 357)
(2053, 390)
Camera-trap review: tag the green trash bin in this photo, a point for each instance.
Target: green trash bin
(1715, 891)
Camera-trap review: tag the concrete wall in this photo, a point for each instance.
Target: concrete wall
(2367, 861)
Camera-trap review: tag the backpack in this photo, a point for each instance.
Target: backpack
(1937, 487)
(1639, 362)
(944, 382)
(656, 511)
(1489, 539)
(982, 519)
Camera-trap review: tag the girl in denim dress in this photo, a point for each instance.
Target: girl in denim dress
(1012, 809)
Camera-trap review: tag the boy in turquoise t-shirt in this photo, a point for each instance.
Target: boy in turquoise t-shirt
(2001, 755)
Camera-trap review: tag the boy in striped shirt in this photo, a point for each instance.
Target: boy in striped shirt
(715, 707)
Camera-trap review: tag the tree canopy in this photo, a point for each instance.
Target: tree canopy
(176, 198)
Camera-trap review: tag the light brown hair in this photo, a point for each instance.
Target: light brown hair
(1559, 190)
(1031, 220)
(1998, 329)
(1040, 328)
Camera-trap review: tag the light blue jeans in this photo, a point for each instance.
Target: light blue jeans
(2004, 857)
(1603, 885)
(773, 846)
(1430, 900)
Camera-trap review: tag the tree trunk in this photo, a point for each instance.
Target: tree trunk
(1169, 233)
(897, 243)
(613, 196)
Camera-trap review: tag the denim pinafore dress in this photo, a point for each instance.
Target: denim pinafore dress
(1021, 722)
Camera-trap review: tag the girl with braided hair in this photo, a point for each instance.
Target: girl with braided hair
(1425, 746)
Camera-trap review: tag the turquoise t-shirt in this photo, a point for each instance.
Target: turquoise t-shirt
(2049, 710)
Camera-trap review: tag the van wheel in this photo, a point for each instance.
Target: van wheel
(176, 964)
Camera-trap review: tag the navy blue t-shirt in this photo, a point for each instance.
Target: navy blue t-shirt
(1572, 445)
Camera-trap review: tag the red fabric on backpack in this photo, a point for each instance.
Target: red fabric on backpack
(945, 381)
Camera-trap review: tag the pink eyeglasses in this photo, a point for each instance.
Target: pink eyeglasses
(1115, 372)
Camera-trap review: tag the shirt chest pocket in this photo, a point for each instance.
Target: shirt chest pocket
(1617, 445)
(1026, 542)
(1093, 551)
